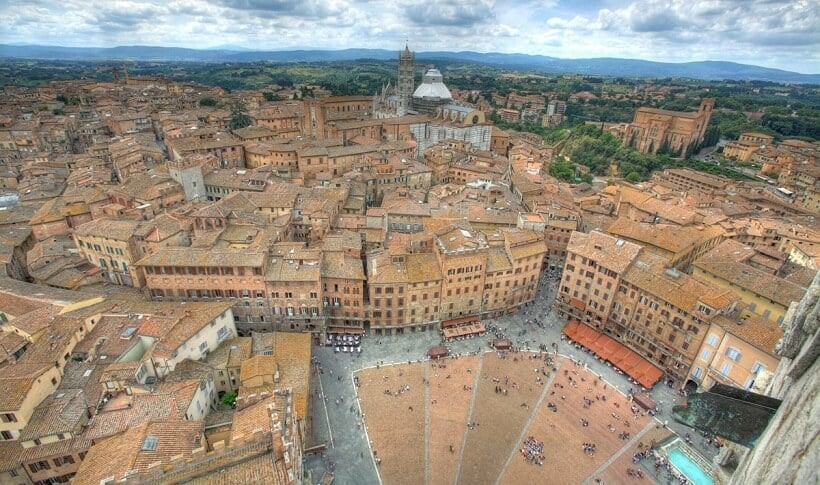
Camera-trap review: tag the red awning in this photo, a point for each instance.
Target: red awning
(502, 343)
(621, 356)
(577, 304)
(459, 321)
(463, 330)
(644, 401)
(345, 330)
(438, 352)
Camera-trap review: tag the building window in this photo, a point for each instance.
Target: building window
(697, 373)
(733, 354)
(725, 369)
(8, 418)
(712, 340)
(706, 354)
(757, 367)
(40, 465)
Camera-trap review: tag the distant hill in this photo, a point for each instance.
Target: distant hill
(709, 70)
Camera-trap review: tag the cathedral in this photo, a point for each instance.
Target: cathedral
(404, 98)
(447, 120)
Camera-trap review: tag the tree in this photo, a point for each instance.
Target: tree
(269, 96)
(633, 177)
(239, 118)
(562, 170)
(207, 102)
(229, 399)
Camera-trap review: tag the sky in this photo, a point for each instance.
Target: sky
(773, 33)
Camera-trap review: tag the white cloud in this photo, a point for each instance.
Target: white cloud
(765, 32)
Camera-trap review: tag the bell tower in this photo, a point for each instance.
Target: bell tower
(406, 84)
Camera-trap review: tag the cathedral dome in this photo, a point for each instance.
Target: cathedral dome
(432, 87)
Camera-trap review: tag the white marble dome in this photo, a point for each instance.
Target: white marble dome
(432, 87)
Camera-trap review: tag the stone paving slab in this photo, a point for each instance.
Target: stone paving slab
(499, 417)
(449, 407)
(563, 434)
(392, 400)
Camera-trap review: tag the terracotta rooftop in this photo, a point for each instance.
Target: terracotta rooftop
(58, 448)
(723, 262)
(256, 366)
(195, 257)
(290, 263)
(422, 267)
(498, 260)
(117, 229)
(230, 353)
(146, 186)
(649, 272)
(250, 419)
(193, 318)
(756, 330)
(610, 252)
(339, 265)
(292, 354)
(34, 321)
(11, 453)
(61, 412)
(13, 390)
(169, 401)
(260, 469)
(22, 297)
(672, 238)
(139, 447)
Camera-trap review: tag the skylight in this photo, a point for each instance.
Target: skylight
(150, 443)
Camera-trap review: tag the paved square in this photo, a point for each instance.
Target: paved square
(464, 420)
(444, 423)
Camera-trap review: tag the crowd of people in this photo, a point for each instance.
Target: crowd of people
(496, 330)
(533, 451)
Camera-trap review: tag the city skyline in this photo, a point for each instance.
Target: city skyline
(764, 32)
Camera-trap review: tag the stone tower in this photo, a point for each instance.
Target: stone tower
(406, 84)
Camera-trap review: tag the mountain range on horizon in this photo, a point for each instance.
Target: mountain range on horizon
(604, 66)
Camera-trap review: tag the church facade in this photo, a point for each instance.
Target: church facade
(654, 129)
